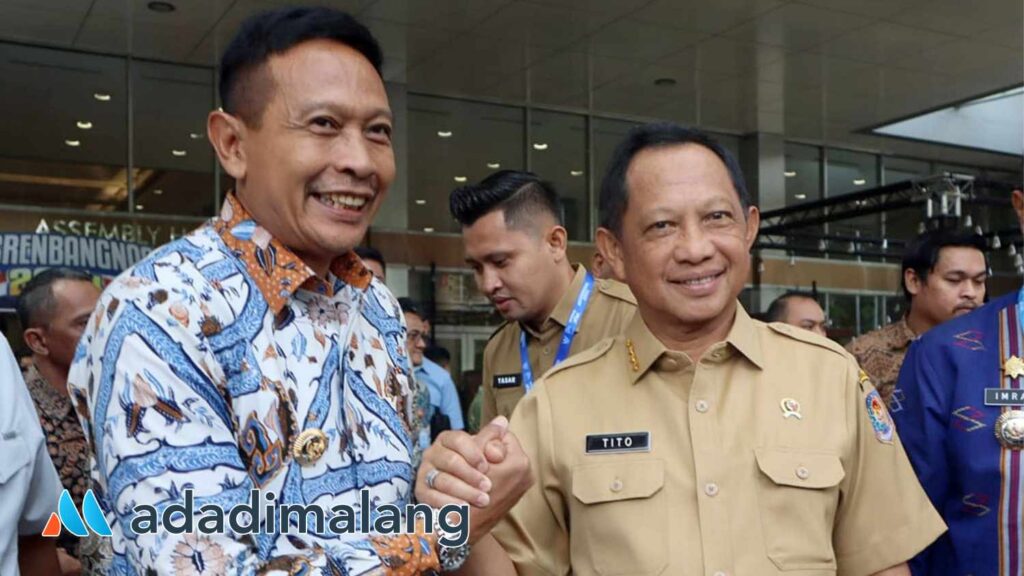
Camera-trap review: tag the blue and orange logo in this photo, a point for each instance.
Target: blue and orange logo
(68, 516)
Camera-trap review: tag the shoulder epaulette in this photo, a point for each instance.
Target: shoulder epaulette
(497, 330)
(809, 337)
(616, 290)
(584, 357)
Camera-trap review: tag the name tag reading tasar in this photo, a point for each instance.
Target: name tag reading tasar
(508, 380)
(624, 442)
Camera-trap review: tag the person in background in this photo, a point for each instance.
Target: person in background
(799, 309)
(438, 355)
(374, 262)
(29, 485)
(961, 417)
(944, 275)
(516, 245)
(54, 308)
(444, 411)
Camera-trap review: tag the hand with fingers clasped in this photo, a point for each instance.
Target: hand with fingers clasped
(489, 471)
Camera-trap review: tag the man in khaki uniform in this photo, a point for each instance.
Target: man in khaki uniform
(516, 244)
(699, 441)
(944, 276)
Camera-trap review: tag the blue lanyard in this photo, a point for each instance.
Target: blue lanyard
(1020, 307)
(567, 335)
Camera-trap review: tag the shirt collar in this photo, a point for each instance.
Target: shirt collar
(643, 348)
(50, 402)
(902, 335)
(277, 271)
(563, 309)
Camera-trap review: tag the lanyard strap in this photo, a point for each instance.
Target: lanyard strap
(567, 335)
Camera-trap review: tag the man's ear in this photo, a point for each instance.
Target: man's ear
(227, 134)
(557, 240)
(610, 248)
(36, 341)
(912, 281)
(753, 225)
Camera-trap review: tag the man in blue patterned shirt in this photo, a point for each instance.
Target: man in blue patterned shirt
(258, 353)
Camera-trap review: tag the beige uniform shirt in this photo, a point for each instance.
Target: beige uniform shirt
(610, 309)
(648, 464)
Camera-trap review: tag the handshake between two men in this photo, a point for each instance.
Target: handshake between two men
(488, 471)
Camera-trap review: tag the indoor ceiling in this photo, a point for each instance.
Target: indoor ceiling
(812, 69)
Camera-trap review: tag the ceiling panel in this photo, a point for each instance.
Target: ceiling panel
(31, 24)
(632, 39)
(798, 26)
(883, 42)
(708, 17)
(960, 18)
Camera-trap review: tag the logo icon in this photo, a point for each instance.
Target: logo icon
(68, 516)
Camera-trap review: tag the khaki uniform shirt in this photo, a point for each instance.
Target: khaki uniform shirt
(646, 463)
(610, 309)
(880, 353)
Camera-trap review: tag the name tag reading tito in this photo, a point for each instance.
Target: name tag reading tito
(507, 380)
(625, 442)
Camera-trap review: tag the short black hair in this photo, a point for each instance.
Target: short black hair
(273, 32)
(777, 309)
(370, 253)
(923, 252)
(520, 195)
(36, 301)
(409, 306)
(614, 192)
(437, 354)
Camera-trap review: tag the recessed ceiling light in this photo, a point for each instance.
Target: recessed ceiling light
(101, 96)
(494, 165)
(860, 182)
(444, 133)
(790, 173)
(460, 179)
(161, 7)
(73, 143)
(420, 202)
(665, 82)
(800, 196)
(576, 172)
(84, 124)
(428, 229)
(179, 153)
(158, 192)
(540, 146)
(195, 135)
(139, 207)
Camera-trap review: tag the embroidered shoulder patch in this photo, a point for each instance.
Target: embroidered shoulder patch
(879, 416)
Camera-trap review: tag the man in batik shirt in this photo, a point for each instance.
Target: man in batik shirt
(258, 352)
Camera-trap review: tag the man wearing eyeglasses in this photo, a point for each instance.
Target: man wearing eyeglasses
(442, 397)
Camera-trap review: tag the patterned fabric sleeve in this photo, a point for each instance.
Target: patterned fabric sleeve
(154, 401)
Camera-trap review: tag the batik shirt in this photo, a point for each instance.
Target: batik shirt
(198, 370)
(948, 430)
(880, 353)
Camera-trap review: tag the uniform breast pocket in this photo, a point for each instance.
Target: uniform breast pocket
(16, 455)
(620, 521)
(798, 493)
(506, 400)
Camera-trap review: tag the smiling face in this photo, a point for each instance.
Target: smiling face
(316, 167)
(684, 246)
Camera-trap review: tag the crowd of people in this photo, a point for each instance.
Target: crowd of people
(632, 417)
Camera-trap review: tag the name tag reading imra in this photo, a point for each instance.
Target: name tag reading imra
(625, 442)
(1004, 397)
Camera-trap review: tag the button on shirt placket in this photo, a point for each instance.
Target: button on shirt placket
(712, 502)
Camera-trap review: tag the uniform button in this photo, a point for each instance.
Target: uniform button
(720, 573)
(803, 473)
(711, 489)
(616, 485)
(701, 406)
(547, 350)
(670, 365)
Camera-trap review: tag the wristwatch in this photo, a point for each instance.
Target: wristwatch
(451, 557)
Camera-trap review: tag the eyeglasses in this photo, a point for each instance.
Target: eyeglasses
(414, 336)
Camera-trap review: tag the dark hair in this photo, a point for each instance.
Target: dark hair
(272, 32)
(437, 354)
(519, 195)
(777, 309)
(370, 253)
(409, 306)
(37, 302)
(614, 193)
(923, 253)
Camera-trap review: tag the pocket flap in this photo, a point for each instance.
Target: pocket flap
(15, 453)
(802, 469)
(621, 480)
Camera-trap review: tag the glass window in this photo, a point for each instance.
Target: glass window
(453, 142)
(901, 169)
(803, 173)
(174, 161)
(63, 138)
(849, 172)
(558, 154)
(842, 312)
(868, 319)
